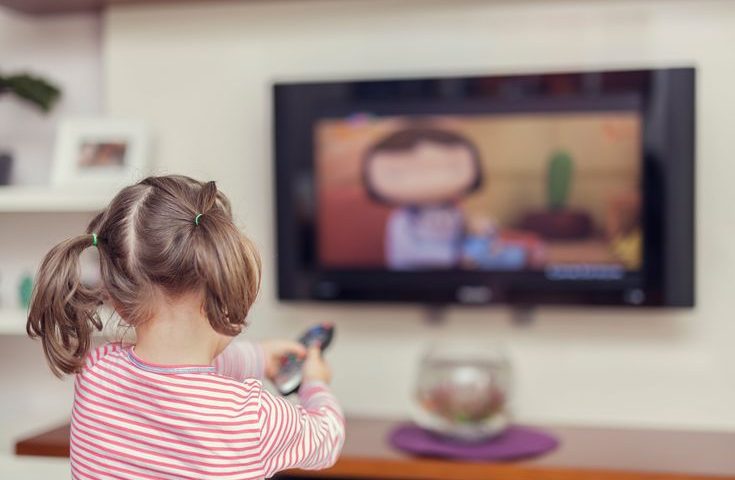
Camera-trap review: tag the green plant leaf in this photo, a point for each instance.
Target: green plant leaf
(33, 90)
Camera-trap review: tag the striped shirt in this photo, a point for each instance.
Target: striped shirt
(136, 420)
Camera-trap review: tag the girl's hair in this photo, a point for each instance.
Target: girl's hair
(151, 240)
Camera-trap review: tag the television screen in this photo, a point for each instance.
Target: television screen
(552, 192)
(518, 189)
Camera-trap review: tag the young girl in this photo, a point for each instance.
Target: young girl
(184, 401)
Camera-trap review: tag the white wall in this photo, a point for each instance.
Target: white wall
(200, 74)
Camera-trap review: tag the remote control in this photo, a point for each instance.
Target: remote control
(288, 378)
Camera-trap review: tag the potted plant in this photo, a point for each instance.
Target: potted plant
(558, 221)
(34, 90)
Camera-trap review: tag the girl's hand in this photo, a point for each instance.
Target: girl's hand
(315, 368)
(276, 350)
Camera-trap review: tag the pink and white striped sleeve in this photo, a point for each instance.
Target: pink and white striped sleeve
(241, 360)
(309, 436)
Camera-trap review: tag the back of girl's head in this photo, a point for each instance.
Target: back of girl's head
(164, 236)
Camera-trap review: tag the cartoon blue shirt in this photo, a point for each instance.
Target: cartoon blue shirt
(424, 237)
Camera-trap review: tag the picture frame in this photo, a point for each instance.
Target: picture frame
(100, 152)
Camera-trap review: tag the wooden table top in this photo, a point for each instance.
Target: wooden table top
(585, 453)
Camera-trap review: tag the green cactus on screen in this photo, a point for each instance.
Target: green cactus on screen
(560, 179)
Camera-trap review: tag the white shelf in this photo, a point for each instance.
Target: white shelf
(46, 199)
(12, 321)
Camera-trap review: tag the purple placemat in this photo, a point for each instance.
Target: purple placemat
(515, 443)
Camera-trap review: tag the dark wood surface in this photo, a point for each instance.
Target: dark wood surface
(51, 443)
(51, 7)
(585, 454)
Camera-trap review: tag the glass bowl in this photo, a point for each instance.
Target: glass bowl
(463, 391)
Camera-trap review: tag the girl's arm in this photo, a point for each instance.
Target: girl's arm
(307, 436)
(241, 360)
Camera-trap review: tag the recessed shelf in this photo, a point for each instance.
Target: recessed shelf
(13, 322)
(45, 7)
(50, 200)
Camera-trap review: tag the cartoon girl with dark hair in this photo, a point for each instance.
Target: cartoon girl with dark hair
(424, 172)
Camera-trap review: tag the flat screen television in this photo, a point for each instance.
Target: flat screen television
(554, 188)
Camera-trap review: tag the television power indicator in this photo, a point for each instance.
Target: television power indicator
(474, 294)
(635, 296)
(327, 290)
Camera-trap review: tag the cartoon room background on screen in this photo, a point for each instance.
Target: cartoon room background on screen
(556, 189)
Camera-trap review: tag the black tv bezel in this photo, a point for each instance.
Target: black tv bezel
(667, 102)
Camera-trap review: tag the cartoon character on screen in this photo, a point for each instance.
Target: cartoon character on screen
(424, 173)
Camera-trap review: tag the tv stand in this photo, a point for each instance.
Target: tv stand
(585, 453)
(523, 316)
(435, 314)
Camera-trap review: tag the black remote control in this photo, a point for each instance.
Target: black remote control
(288, 378)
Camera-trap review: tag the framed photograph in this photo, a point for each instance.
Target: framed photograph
(100, 152)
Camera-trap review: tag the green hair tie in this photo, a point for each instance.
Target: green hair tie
(196, 219)
(94, 239)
